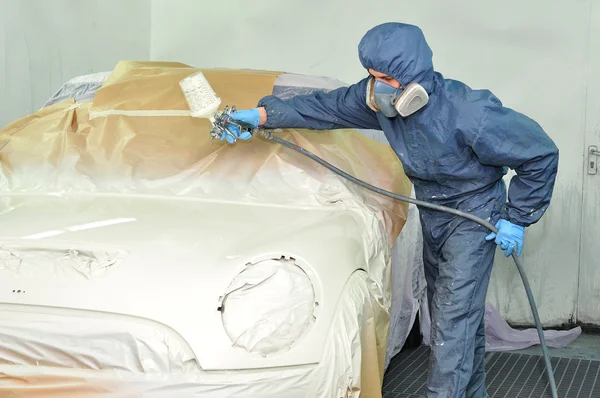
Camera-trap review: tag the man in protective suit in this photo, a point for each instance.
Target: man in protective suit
(455, 144)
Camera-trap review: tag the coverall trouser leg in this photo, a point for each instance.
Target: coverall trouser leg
(457, 269)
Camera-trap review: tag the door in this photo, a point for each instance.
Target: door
(589, 277)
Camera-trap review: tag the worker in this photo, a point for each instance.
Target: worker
(455, 144)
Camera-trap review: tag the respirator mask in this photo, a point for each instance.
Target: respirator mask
(391, 101)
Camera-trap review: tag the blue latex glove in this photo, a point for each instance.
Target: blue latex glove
(509, 237)
(235, 130)
(251, 117)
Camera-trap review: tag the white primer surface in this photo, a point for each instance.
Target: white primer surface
(45, 43)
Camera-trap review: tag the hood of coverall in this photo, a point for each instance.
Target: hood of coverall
(400, 51)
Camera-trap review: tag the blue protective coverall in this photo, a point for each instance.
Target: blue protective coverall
(455, 151)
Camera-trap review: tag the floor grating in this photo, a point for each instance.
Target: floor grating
(509, 375)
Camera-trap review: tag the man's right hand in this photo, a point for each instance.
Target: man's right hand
(254, 117)
(238, 135)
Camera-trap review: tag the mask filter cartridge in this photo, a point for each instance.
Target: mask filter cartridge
(391, 101)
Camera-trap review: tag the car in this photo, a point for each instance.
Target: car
(138, 257)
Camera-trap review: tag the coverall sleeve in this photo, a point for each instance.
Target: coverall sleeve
(508, 138)
(341, 108)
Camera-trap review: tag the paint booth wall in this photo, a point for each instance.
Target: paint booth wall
(45, 43)
(531, 54)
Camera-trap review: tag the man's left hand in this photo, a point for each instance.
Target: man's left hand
(509, 237)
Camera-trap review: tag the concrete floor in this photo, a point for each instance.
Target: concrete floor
(586, 346)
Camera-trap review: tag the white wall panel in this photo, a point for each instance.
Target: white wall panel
(589, 287)
(45, 43)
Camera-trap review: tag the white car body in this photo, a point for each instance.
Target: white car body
(168, 294)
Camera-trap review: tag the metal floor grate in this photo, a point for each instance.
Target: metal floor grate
(509, 375)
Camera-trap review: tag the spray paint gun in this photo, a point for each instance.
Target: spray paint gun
(223, 122)
(204, 103)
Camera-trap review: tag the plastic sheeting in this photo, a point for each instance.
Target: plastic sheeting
(67, 262)
(139, 142)
(80, 88)
(499, 336)
(269, 306)
(77, 341)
